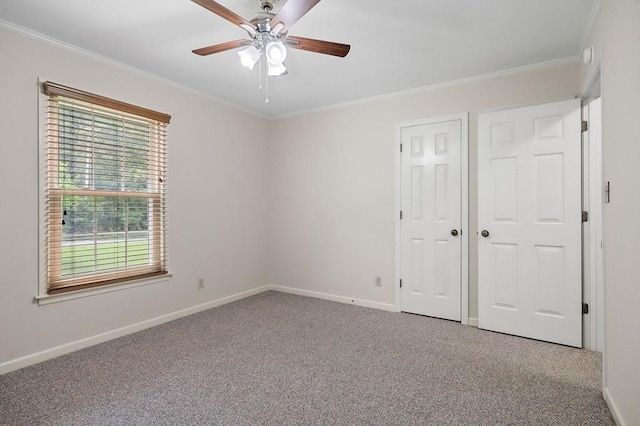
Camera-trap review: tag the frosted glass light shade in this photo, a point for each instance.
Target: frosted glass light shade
(249, 56)
(275, 70)
(276, 52)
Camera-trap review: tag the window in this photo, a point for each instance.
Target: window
(104, 191)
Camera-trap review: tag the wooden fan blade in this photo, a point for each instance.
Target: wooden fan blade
(225, 13)
(318, 46)
(291, 12)
(217, 48)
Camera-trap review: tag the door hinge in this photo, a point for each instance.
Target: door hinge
(400, 214)
(400, 147)
(400, 283)
(585, 216)
(585, 126)
(585, 308)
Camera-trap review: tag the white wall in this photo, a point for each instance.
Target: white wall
(615, 37)
(217, 187)
(309, 205)
(332, 182)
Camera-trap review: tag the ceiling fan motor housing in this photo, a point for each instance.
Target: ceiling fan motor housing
(261, 21)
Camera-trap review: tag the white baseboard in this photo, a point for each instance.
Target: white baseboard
(47, 354)
(342, 299)
(615, 413)
(473, 322)
(31, 359)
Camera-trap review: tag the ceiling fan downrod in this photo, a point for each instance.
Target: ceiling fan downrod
(267, 5)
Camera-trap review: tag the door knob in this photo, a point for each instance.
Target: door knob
(484, 233)
(454, 232)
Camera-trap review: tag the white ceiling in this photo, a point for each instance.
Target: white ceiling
(395, 46)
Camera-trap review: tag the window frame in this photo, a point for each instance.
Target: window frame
(51, 195)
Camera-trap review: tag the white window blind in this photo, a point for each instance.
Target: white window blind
(105, 198)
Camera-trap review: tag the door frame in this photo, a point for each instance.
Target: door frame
(464, 203)
(592, 244)
(594, 324)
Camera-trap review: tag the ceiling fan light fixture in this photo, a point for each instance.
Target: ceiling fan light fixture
(276, 52)
(276, 70)
(249, 56)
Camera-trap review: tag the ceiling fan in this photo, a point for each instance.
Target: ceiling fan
(268, 34)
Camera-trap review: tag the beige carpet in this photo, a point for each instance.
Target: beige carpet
(278, 359)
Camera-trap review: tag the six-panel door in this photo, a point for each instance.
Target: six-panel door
(529, 204)
(431, 206)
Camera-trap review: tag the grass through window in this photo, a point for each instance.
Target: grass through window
(87, 257)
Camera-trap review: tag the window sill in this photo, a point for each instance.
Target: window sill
(47, 299)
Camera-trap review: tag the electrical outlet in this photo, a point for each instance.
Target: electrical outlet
(378, 281)
(200, 283)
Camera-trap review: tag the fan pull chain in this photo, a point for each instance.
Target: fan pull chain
(266, 93)
(260, 74)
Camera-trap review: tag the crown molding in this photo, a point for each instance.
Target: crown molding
(438, 86)
(87, 53)
(588, 28)
(468, 80)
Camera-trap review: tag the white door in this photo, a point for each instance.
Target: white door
(529, 222)
(431, 219)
